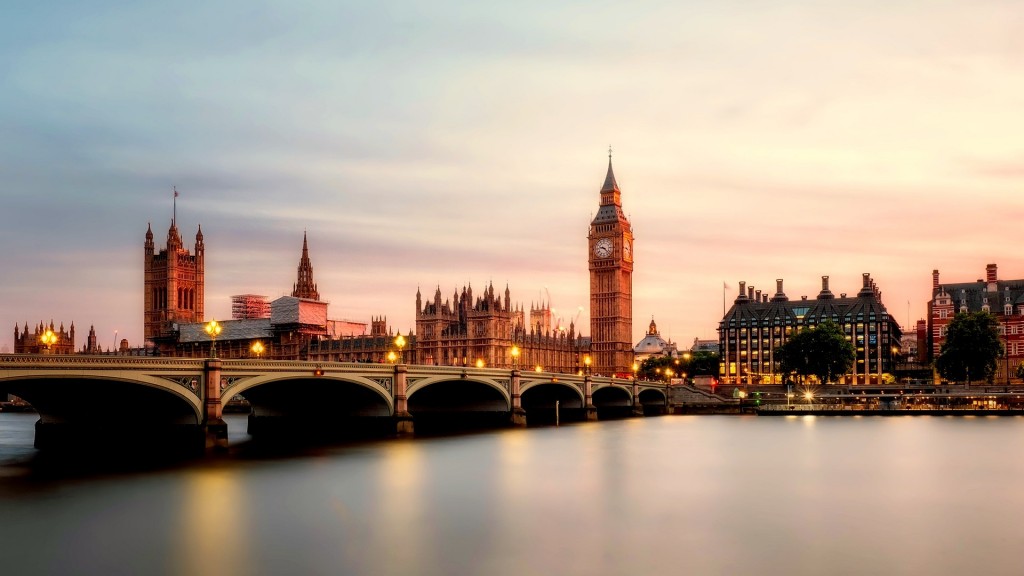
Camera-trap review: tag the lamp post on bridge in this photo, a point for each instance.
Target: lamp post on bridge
(400, 343)
(213, 329)
(48, 339)
(258, 348)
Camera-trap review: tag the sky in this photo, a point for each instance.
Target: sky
(449, 143)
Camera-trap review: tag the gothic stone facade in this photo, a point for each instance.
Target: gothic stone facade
(462, 331)
(610, 242)
(173, 289)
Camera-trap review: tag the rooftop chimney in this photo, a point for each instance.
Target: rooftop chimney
(935, 279)
(825, 292)
(780, 296)
(990, 273)
(743, 292)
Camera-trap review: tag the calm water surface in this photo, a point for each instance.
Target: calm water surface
(668, 495)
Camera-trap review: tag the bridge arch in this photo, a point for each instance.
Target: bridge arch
(613, 395)
(469, 392)
(59, 397)
(352, 394)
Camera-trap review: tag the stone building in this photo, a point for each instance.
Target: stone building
(1004, 299)
(173, 286)
(654, 345)
(611, 282)
(26, 342)
(756, 326)
(464, 332)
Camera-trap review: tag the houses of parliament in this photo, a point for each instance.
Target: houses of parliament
(485, 329)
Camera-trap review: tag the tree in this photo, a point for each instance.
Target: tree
(972, 348)
(822, 351)
(689, 363)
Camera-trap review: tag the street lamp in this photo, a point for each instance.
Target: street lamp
(515, 356)
(213, 329)
(400, 342)
(479, 362)
(586, 364)
(257, 348)
(392, 357)
(636, 369)
(537, 368)
(48, 339)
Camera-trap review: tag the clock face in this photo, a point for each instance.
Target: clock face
(627, 249)
(603, 248)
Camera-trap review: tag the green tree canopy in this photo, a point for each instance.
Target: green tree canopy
(821, 351)
(972, 348)
(689, 363)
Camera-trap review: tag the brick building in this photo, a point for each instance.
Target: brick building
(1004, 299)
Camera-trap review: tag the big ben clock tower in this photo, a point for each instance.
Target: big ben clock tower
(611, 283)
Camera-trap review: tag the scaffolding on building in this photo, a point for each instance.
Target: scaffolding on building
(248, 306)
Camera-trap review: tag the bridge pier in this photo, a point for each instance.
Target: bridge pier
(215, 429)
(638, 408)
(589, 410)
(517, 416)
(404, 425)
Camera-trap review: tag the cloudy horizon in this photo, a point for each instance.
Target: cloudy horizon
(455, 143)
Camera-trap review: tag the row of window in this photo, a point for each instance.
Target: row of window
(788, 331)
(790, 320)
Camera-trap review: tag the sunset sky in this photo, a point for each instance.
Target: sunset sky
(443, 143)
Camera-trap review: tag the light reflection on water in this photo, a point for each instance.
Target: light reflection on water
(684, 494)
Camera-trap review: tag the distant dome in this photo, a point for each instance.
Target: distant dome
(653, 344)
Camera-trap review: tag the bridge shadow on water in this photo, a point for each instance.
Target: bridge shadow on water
(128, 448)
(97, 456)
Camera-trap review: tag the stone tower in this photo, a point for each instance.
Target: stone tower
(305, 287)
(173, 284)
(611, 283)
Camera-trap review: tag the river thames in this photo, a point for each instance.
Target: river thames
(787, 495)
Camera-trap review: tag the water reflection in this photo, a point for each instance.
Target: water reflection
(688, 494)
(213, 523)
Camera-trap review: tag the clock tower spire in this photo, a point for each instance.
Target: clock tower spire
(611, 282)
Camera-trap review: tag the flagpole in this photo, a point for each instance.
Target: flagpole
(174, 213)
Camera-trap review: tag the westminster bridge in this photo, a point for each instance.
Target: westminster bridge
(123, 400)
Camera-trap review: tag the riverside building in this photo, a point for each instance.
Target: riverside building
(1004, 299)
(757, 325)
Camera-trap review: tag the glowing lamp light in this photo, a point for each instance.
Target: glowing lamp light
(400, 343)
(213, 329)
(48, 338)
